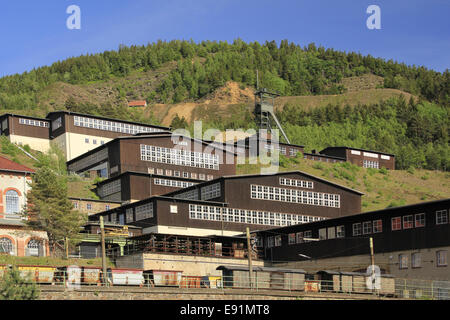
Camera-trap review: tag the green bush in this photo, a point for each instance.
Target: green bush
(14, 287)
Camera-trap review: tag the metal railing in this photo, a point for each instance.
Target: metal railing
(91, 276)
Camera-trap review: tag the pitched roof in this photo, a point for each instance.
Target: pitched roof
(8, 165)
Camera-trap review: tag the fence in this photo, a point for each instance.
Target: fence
(78, 277)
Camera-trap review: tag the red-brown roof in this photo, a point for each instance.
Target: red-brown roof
(137, 103)
(8, 165)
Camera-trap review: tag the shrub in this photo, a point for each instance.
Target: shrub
(14, 287)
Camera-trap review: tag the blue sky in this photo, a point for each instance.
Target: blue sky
(34, 33)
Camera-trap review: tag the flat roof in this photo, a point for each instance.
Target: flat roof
(23, 116)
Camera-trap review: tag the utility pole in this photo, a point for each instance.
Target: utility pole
(102, 229)
(66, 242)
(373, 262)
(249, 254)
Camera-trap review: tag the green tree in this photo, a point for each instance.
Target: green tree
(49, 208)
(14, 287)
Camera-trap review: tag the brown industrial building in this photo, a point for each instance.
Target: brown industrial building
(165, 154)
(409, 242)
(227, 205)
(75, 133)
(361, 157)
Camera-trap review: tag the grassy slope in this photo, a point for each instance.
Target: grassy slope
(50, 261)
(381, 189)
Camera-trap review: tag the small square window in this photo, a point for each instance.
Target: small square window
(86, 140)
(396, 223)
(441, 258)
(403, 261)
(419, 220)
(408, 222)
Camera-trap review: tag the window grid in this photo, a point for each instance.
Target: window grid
(144, 211)
(110, 188)
(441, 217)
(357, 229)
(371, 164)
(210, 192)
(377, 226)
(419, 220)
(35, 123)
(296, 183)
(408, 222)
(173, 183)
(294, 196)
(200, 212)
(112, 126)
(396, 223)
(179, 157)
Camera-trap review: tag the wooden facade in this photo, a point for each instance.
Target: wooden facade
(135, 186)
(422, 229)
(362, 158)
(227, 206)
(126, 154)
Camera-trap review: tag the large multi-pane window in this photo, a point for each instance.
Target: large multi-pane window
(188, 195)
(110, 188)
(12, 202)
(35, 123)
(144, 211)
(200, 212)
(6, 246)
(294, 196)
(179, 157)
(173, 183)
(57, 123)
(296, 183)
(441, 217)
(210, 192)
(113, 126)
(371, 164)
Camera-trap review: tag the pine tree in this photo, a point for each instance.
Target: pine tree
(49, 208)
(14, 287)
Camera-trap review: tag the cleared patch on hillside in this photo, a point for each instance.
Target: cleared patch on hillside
(364, 82)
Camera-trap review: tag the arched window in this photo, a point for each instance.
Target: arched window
(12, 202)
(34, 248)
(6, 246)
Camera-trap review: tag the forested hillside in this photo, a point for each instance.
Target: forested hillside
(203, 67)
(414, 128)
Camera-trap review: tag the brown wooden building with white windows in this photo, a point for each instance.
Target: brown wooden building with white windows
(164, 154)
(229, 204)
(363, 158)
